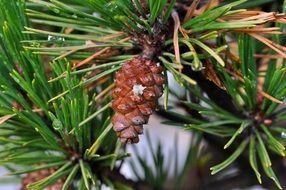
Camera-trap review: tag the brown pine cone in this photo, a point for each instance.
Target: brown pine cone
(139, 84)
(41, 174)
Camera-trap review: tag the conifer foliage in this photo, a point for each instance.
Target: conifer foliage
(73, 70)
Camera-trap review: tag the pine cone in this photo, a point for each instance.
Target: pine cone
(139, 84)
(41, 174)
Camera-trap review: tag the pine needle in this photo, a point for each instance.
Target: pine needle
(100, 52)
(191, 10)
(176, 37)
(5, 118)
(261, 92)
(104, 92)
(269, 56)
(279, 49)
